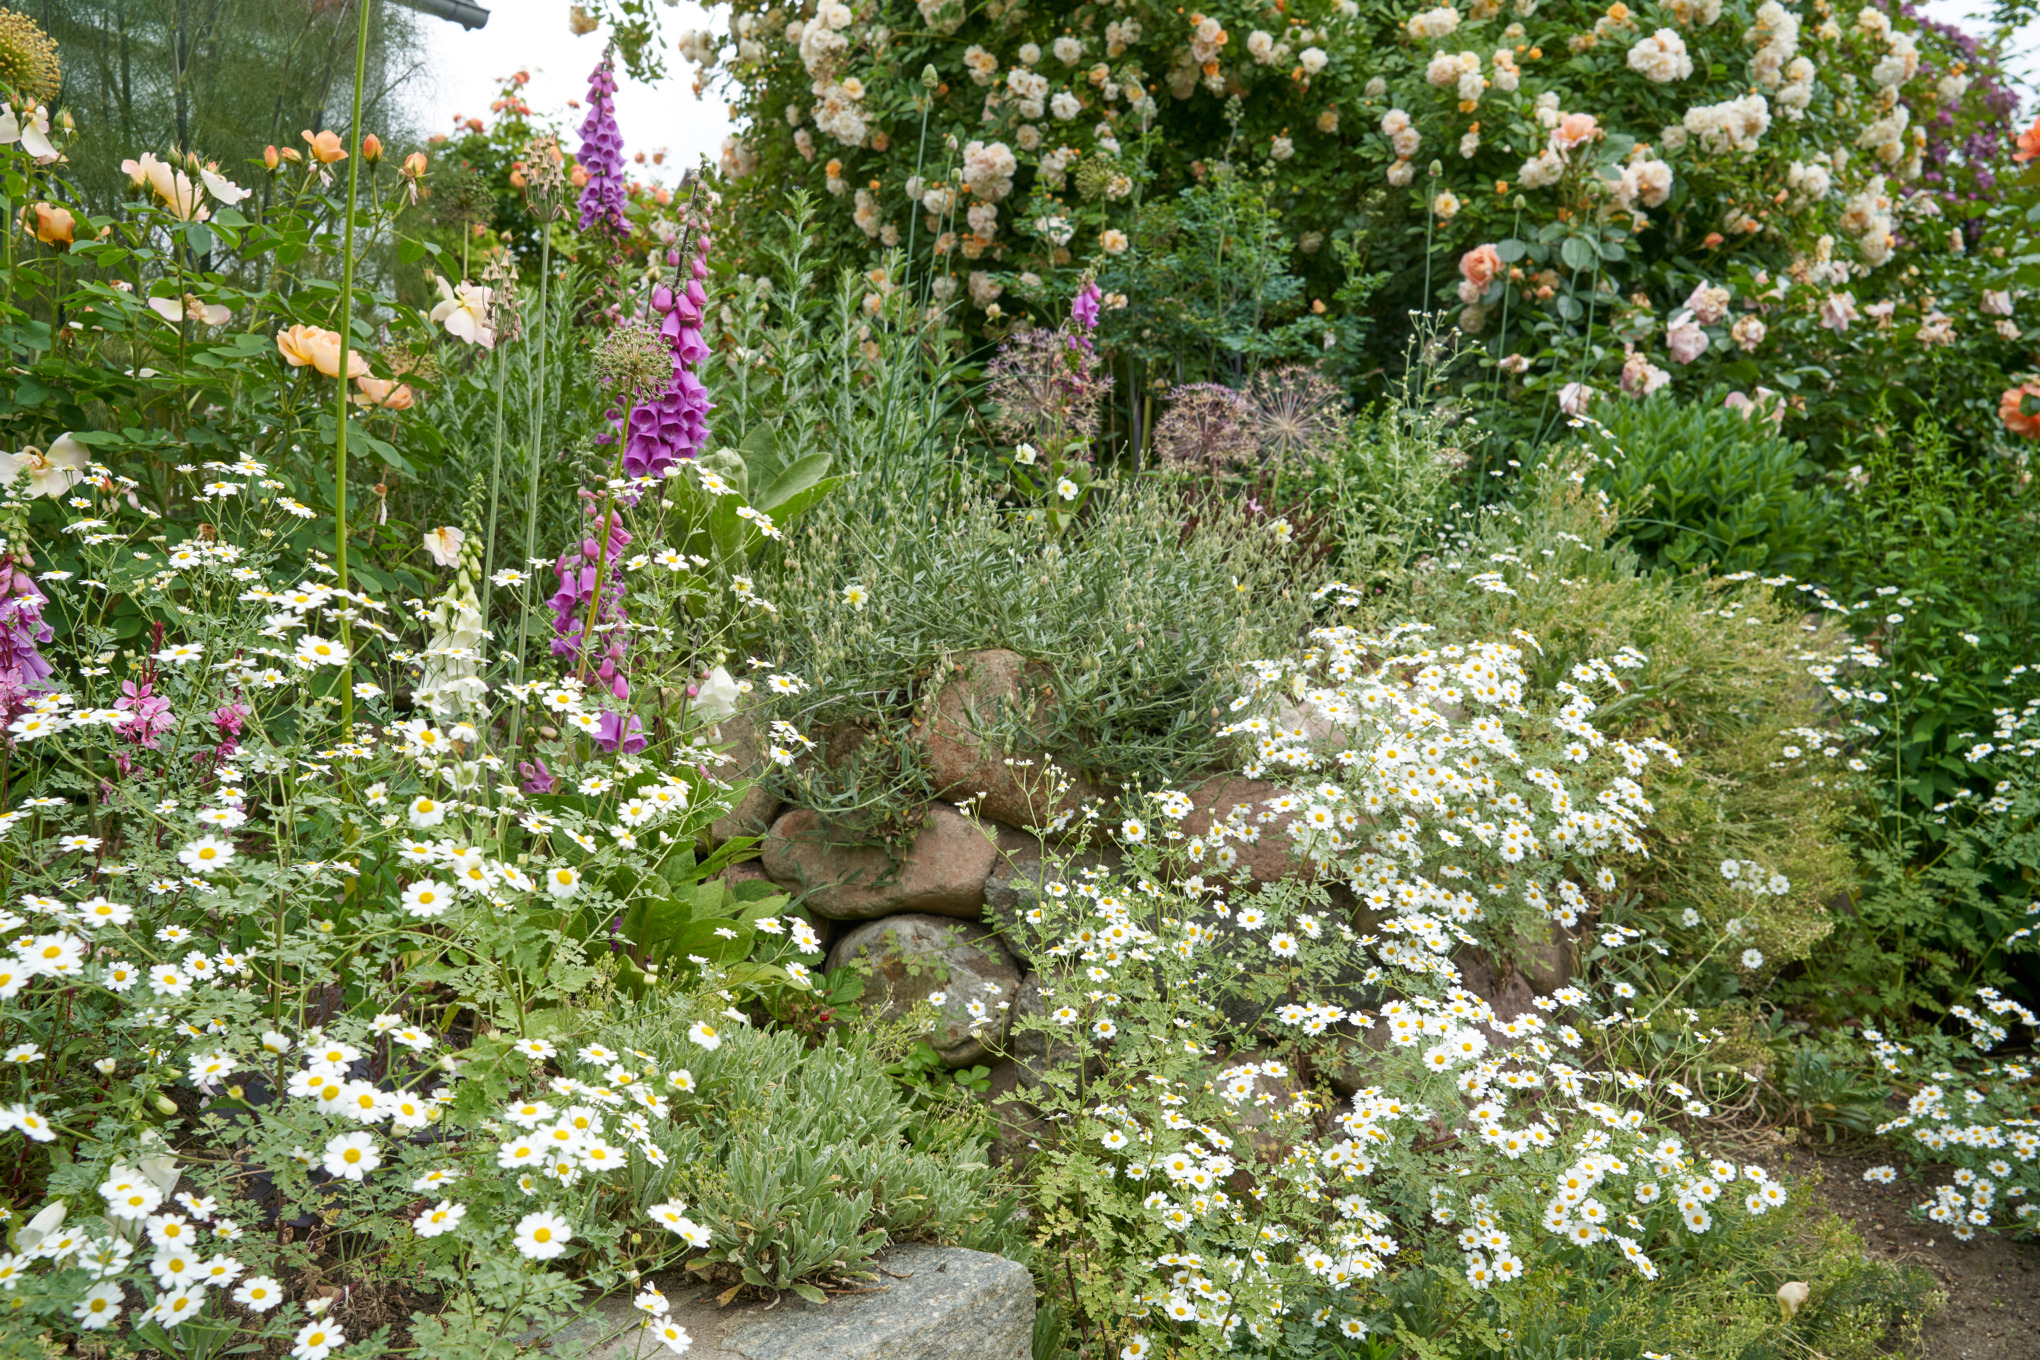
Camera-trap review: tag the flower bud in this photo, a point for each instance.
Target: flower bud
(930, 77)
(1436, 169)
(271, 157)
(165, 1106)
(414, 165)
(371, 148)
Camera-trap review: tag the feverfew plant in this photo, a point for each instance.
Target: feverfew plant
(1975, 1116)
(1200, 1186)
(1443, 741)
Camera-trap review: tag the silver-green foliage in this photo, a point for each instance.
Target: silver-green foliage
(1143, 615)
(801, 1162)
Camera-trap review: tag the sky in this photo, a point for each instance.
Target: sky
(463, 70)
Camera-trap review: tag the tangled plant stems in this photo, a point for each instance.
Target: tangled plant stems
(346, 340)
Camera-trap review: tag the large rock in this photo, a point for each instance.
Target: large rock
(931, 1303)
(1018, 1130)
(984, 737)
(754, 812)
(1233, 799)
(1544, 957)
(1020, 874)
(943, 871)
(908, 958)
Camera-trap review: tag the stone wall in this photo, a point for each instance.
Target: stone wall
(943, 917)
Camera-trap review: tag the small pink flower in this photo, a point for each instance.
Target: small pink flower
(1641, 377)
(1686, 340)
(1838, 311)
(1573, 129)
(1766, 403)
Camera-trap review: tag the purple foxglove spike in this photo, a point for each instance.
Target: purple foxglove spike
(616, 732)
(1084, 308)
(601, 155)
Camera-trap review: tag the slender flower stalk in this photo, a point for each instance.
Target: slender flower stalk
(545, 177)
(605, 527)
(340, 382)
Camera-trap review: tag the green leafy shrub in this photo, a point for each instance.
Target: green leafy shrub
(1015, 150)
(1723, 674)
(1933, 708)
(1700, 483)
(1142, 619)
(801, 1161)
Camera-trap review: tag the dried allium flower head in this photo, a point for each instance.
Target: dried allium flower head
(1295, 410)
(28, 59)
(1207, 426)
(545, 166)
(634, 362)
(1047, 389)
(504, 318)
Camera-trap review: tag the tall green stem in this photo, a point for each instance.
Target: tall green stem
(602, 552)
(543, 320)
(346, 342)
(495, 481)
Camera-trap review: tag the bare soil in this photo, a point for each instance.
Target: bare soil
(1992, 1284)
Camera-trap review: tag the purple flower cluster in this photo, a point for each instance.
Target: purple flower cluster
(576, 568)
(22, 630)
(674, 425)
(601, 154)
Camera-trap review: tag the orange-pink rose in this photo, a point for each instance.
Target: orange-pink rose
(1480, 265)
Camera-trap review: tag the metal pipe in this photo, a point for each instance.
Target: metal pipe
(461, 12)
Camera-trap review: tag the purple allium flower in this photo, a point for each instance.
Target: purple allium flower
(601, 154)
(1047, 387)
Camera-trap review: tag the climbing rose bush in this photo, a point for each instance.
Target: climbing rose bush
(1708, 191)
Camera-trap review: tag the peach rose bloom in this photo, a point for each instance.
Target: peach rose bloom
(319, 348)
(1573, 129)
(2025, 426)
(1480, 265)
